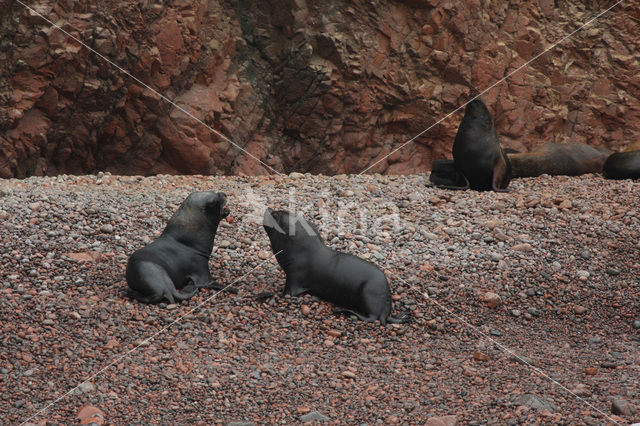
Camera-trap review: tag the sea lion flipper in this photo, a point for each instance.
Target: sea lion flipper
(214, 285)
(343, 311)
(500, 175)
(185, 293)
(403, 318)
(293, 286)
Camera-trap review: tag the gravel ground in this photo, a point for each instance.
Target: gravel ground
(547, 272)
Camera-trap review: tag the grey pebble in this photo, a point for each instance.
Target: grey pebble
(314, 415)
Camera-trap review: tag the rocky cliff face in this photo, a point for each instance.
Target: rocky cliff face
(326, 87)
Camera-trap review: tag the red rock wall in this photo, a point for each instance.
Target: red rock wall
(326, 87)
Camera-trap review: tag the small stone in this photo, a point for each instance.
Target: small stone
(480, 356)
(534, 401)
(107, 229)
(306, 310)
(224, 243)
(91, 415)
(566, 204)
(516, 312)
(442, 421)
(334, 333)
(581, 389)
(579, 309)
(636, 324)
(496, 257)
(314, 416)
(585, 254)
(612, 271)
(85, 387)
(264, 255)
(524, 247)
(622, 407)
(296, 175)
(35, 206)
(491, 299)
(583, 275)
(590, 371)
(349, 374)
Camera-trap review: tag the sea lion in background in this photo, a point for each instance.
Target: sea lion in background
(477, 155)
(354, 284)
(634, 146)
(570, 159)
(179, 258)
(622, 165)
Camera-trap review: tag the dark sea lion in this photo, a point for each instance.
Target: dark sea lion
(444, 174)
(570, 159)
(622, 165)
(179, 258)
(477, 155)
(354, 284)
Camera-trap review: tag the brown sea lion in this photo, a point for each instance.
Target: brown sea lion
(570, 159)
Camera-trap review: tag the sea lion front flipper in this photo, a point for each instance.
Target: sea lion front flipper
(343, 311)
(500, 178)
(294, 286)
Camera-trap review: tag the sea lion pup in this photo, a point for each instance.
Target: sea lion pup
(354, 284)
(570, 159)
(179, 258)
(622, 165)
(477, 155)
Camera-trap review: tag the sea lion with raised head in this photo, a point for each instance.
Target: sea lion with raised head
(622, 165)
(569, 159)
(478, 159)
(357, 286)
(176, 264)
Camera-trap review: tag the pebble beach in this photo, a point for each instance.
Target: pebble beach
(525, 305)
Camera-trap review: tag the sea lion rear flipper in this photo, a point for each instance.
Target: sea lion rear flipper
(185, 293)
(403, 318)
(264, 296)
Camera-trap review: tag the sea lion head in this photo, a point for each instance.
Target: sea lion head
(199, 216)
(213, 205)
(285, 229)
(476, 109)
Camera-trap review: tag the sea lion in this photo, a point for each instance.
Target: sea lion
(354, 284)
(179, 258)
(570, 159)
(622, 165)
(478, 158)
(444, 174)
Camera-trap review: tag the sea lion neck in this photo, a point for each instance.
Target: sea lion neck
(189, 225)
